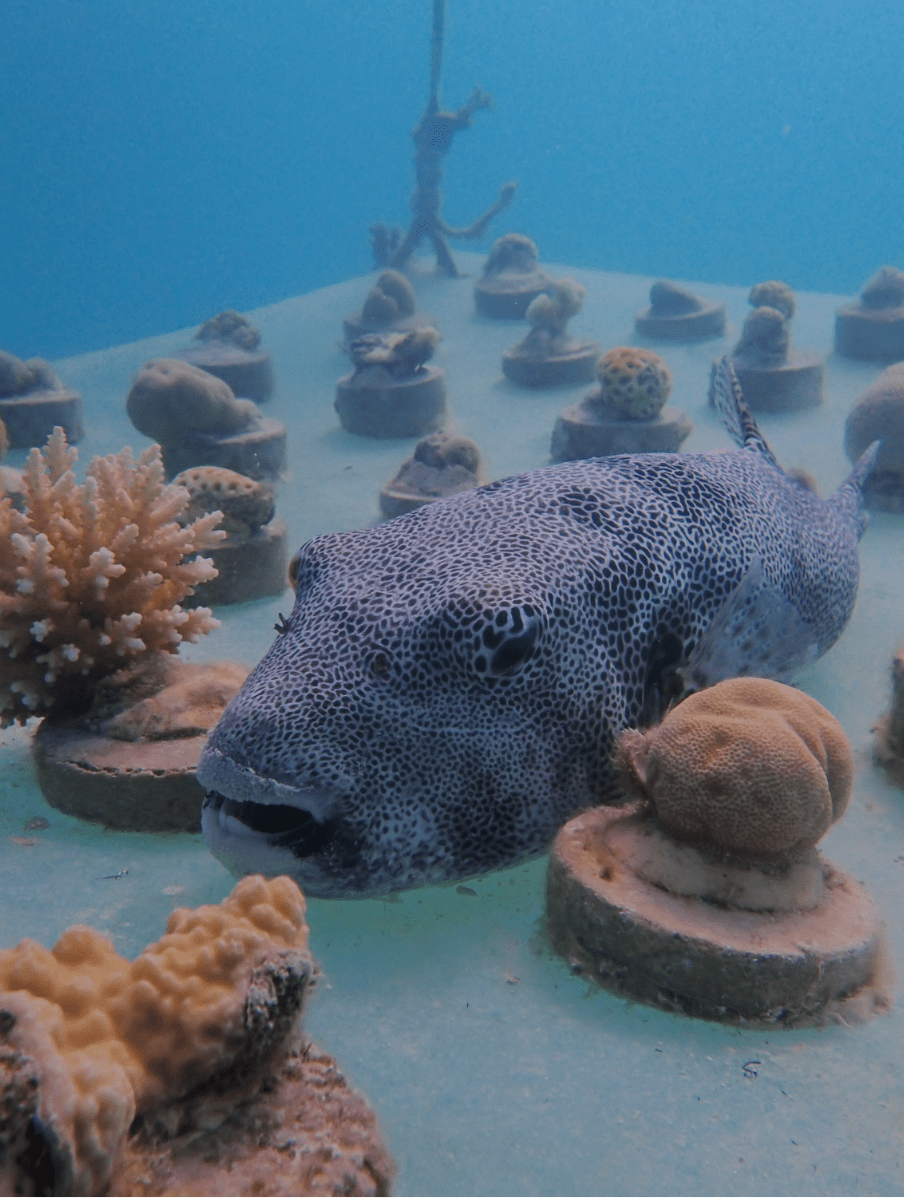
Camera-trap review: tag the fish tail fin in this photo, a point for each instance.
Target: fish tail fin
(848, 499)
(727, 398)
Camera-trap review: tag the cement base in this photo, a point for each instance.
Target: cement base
(373, 404)
(30, 419)
(789, 388)
(708, 322)
(259, 453)
(558, 370)
(869, 334)
(705, 960)
(130, 786)
(249, 567)
(248, 372)
(581, 433)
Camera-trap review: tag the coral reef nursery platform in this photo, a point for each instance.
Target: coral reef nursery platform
(491, 1067)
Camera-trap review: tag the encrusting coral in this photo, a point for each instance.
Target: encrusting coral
(230, 326)
(92, 575)
(91, 1040)
(400, 355)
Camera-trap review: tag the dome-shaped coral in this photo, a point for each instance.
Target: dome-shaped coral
(392, 298)
(878, 415)
(633, 382)
(749, 766)
(244, 503)
(885, 289)
(765, 338)
(92, 575)
(513, 253)
(773, 294)
(170, 398)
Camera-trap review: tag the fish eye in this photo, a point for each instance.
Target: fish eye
(379, 665)
(507, 641)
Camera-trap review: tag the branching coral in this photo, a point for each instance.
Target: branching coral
(91, 575)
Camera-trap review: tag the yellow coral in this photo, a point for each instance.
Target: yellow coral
(92, 575)
(749, 766)
(633, 382)
(107, 1039)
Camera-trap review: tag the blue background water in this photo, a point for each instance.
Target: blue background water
(163, 161)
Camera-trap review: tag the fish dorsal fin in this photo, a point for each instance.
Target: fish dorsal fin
(727, 398)
(758, 631)
(848, 499)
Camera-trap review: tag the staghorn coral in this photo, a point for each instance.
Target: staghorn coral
(89, 1041)
(91, 575)
(749, 766)
(635, 383)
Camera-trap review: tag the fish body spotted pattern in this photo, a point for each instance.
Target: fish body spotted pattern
(450, 686)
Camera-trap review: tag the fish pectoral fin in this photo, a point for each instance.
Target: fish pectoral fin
(758, 632)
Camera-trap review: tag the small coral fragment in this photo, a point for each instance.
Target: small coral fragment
(391, 299)
(401, 355)
(244, 503)
(230, 326)
(91, 575)
(633, 382)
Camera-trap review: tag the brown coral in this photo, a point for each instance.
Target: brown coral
(89, 1040)
(170, 398)
(548, 316)
(401, 355)
(633, 382)
(749, 766)
(885, 289)
(513, 253)
(22, 378)
(230, 326)
(773, 294)
(878, 415)
(245, 503)
(391, 298)
(92, 575)
(765, 339)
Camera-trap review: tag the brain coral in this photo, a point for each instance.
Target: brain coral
(93, 575)
(89, 1040)
(749, 766)
(633, 382)
(170, 398)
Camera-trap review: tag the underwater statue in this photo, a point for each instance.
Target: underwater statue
(450, 686)
(432, 141)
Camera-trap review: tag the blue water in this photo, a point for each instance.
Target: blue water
(161, 161)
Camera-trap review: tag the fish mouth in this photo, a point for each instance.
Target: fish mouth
(241, 809)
